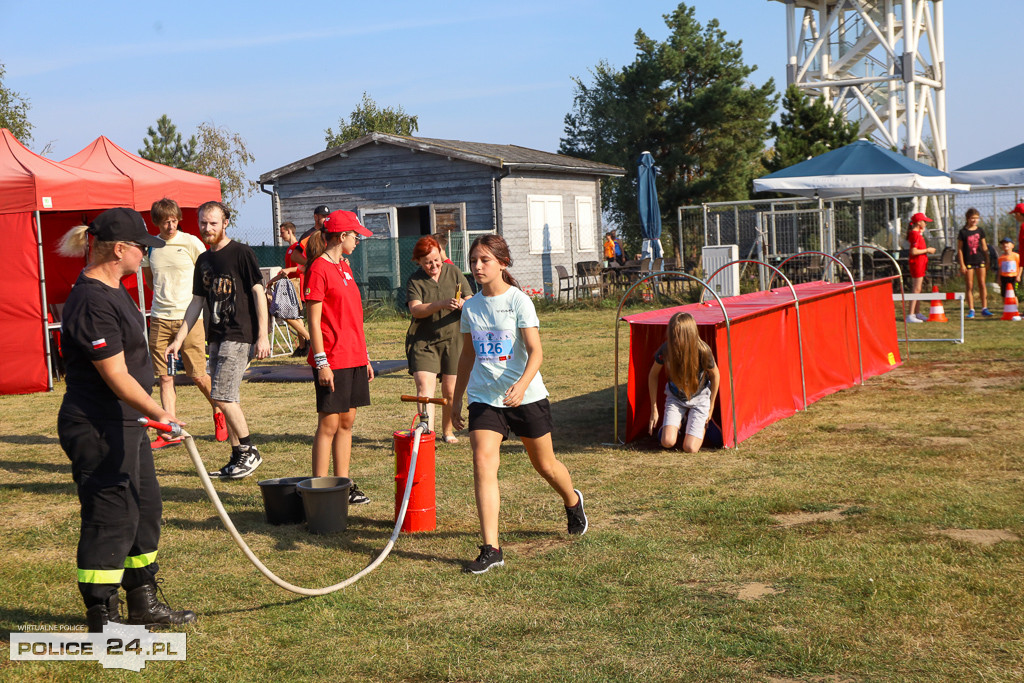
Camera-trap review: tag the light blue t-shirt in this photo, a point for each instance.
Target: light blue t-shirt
(495, 323)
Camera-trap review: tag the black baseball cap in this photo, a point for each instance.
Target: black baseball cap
(123, 225)
(322, 210)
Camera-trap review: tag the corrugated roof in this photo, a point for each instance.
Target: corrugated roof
(498, 156)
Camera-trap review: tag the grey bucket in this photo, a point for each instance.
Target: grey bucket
(325, 500)
(281, 501)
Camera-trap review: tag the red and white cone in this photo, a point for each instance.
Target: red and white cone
(1010, 311)
(937, 314)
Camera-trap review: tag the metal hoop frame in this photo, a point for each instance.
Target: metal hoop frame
(899, 276)
(856, 307)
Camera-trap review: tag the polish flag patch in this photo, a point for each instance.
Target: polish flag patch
(99, 343)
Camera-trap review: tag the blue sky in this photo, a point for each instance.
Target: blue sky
(280, 74)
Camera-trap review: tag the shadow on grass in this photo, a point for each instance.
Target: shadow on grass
(29, 439)
(44, 488)
(22, 466)
(13, 618)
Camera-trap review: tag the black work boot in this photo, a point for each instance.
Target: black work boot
(97, 616)
(145, 609)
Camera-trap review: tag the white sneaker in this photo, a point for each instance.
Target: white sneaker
(914, 319)
(922, 318)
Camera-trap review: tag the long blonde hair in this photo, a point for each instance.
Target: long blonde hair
(684, 351)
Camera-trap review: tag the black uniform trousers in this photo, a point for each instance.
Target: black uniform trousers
(112, 465)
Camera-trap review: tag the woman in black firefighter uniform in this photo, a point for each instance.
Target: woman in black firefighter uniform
(108, 372)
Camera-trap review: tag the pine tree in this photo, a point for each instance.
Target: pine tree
(807, 127)
(689, 101)
(164, 145)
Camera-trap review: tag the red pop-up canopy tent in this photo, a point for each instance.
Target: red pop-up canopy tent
(151, 182)
(30, 185)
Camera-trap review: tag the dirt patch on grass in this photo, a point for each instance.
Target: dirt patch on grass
(755, 591)
(986, 537)
(790, 519)
(948, 442)
(531, 548)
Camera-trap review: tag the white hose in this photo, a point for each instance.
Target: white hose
(223, 514)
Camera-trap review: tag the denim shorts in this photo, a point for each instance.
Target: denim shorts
(228, 361)
(695, 412)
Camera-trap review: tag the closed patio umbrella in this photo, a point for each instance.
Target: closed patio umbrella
(647, 201)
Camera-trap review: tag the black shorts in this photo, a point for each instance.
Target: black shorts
(530, 421)
(351, 390)
(974, 266)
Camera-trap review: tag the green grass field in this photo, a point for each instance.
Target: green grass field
(845, 543)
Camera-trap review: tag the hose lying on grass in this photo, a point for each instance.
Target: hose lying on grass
(211, 493)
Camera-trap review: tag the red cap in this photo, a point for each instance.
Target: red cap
(345, 221)
(919, 217)
(1018, 209)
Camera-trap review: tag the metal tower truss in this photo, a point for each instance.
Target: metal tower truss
(879, 62)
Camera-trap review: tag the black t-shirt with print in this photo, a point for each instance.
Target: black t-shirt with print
(225, 278)
(970, 245)
(98, 322)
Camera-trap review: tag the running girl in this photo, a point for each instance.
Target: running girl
(500, 366)
(692, 385)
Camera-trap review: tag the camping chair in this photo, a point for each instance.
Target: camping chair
(568, 287)
(944, 266)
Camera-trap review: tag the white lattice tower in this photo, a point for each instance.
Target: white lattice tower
(879, 62)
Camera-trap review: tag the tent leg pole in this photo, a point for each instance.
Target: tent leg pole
(42, 299)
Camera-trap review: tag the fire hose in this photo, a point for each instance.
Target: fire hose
(190, 445)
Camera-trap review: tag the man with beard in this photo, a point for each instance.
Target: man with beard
(228, 280)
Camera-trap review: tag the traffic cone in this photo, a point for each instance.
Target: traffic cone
(937, 314)
(1010, 311)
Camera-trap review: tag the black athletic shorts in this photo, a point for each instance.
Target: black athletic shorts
(531, 421)
(351, 390)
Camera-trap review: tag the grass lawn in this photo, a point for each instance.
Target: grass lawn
(843, 543)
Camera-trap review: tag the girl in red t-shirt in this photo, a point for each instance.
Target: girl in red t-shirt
(918, 260)
(341, 363)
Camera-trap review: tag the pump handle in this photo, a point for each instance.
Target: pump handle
(173, 428)
(425, 399)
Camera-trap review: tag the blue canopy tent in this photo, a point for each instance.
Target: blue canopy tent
(860, 169)
(1002, 168)
(647, 201)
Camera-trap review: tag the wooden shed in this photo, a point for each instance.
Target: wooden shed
(547, 206)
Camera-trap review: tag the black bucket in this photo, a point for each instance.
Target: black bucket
(281, 501)
(325, 500)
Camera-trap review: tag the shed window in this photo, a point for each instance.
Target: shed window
(585, 224)
(545, 216)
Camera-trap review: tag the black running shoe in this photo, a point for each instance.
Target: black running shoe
(357, 497)
(489, 557)
(249, 459)
(578, 523)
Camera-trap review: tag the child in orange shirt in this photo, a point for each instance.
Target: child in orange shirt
(1009, 266)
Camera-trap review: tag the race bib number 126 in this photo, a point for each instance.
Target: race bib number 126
(493, 346)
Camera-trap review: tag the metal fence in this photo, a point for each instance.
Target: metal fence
(778, 228)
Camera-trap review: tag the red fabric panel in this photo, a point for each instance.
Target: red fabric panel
(22, 350)
(764, 331)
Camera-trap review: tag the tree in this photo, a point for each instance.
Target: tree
(222, 154)
(164, 145)
(687, 100)
(14, 111)
(367, 117)
(807, 127)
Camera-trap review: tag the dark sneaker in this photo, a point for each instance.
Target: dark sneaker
(578, 523)
(236, 456)
(249, 459)
(357, 497)
(489, 557)
(987, 313)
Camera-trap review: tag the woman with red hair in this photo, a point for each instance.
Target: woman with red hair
(435, 294)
